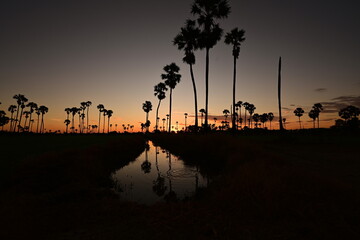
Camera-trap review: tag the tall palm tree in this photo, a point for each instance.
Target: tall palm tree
(270, 117)
(187, 40)
(11, 109)
(21, 100)
(147, 107)
(245, 105)
(202, 111)
(88, 104)
(167, 120)
(313, 114)
(263, 118)
(207, 11)
(279, 96)
(67, 122)
(226, 113)
(43, 110)
(109, 114)
(101, 108)
(235, 38)
(238, 105)
(256, 118)
(32, 106)
(26, 114)
(37, 111)
(159, 89)
(186, 115)
(163, 120)
(251, 108)
(318, 108)
(299, 112)
(172, 78)
(73, 111)
(104, 114)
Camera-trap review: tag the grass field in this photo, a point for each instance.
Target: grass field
(297, 185)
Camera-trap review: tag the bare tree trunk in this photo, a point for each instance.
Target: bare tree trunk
(157, 115)
(279, 95)
(195, 95)
(170, 110)
(233, 104)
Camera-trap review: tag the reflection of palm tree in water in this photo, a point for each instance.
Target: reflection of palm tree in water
(146, 165)
(159, 184)
(171, 196)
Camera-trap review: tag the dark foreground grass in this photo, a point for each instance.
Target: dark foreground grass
(295, 186)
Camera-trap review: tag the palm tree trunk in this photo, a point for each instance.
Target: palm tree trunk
(42, 123)
(233, 105)
(108, 124)
(104, 125)
(37, 127)
(11, 121)
(245, 119)
(170, 110)
(99, 122)
(20, 119)
(279, 95)
(87, 120)
(30, 122)
(17, 115)
(157, 114)
(299, 122)
(195, 95)
(314, 123)
(207, 87)
(318, 121)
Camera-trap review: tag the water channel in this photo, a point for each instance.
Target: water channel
(157, 175)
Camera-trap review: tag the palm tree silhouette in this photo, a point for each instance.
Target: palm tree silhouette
(187, 40)
(186, 115)
(163, 120)
(101, 109)
(43, 110)
(109, 113)
(26, 114)
(279, 95)
(172, 78)
(235, 38)
(159, 89)
(207, 12)
(32, 106)
(67, 122)
(21, 100)
(270, 117)
(104, 114)
(299, 112)
(37, 111)
(245, 105)
(238, 108)
(73, 111)
(318, 108)
(11, 109)
(226, 113)
(256, 118)
(349, 112)
(251, 108)
(3, 119)
(88, 104)
(202, 111)
(313, 114)
(147, 107)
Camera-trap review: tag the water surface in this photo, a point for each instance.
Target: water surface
(157, 175)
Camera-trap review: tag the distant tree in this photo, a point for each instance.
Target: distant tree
(238, 106)
(37, 111)
(245, 105)
(101, 109)
(109, 114)
(88, 104)
(256, 119)
(313, 114)
(349, 112)
(32, 107)
(187, 40)
(226, 114)
(234, 38)
(202, 111)
(264, 118)
(207, 13)
(26, 114)
(21, 100)
(12, 109)
(104, 114)
(159, 89)
(3, 119)
(284, 121)
(74, 111)
(172, 78)
(250, 108)
(43, 110)
(270, 117)
(318, 108)
(186, 115)
(163, 120)
(299, 112)
(67, 122)
(147, 107)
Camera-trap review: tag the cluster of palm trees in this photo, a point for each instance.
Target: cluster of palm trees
(24, 109)
(314, 113)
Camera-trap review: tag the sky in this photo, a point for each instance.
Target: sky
(61, 53)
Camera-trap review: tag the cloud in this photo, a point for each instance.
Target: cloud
(320, 90)
(292, 105)
(340, 102)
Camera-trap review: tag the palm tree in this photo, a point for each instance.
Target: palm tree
(163, 120)
(313, 114)
(37, 111)
(186, 115)
(207, 12)
(256, 118)
(279, 95)
(270, 117)
(159, 89)
(11, 109)
(238, 108)
(73, 111)
(226, 113)
(3, 119)
(251, 108)
(245, 105)
(88, 104)
(235, 38)
(172, 78)
(101, 108)
(263, 118)
(202, 111)
(21, 100)
(67, 122)
(147, 107)
(104, 114)
(349, 112)
(42, 110)
(26, 114)
(299, 112)
(109, 114)
(187, 40)
(32, 106)
(318, 108)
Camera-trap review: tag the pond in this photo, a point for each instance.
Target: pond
(157, 175)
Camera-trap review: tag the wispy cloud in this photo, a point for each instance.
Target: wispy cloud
(320, 90)
(340, 102)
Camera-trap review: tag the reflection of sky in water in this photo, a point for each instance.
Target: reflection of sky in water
(136, 185)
